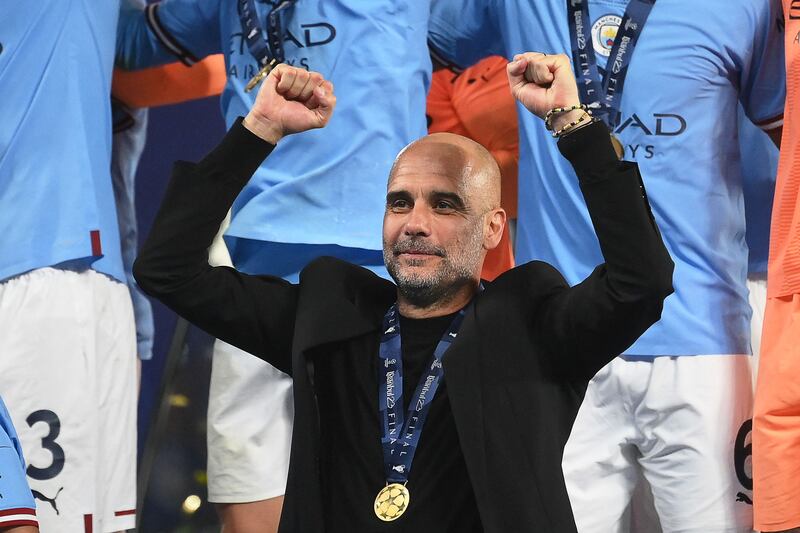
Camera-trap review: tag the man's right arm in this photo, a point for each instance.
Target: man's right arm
(254, 313)
(162, 32)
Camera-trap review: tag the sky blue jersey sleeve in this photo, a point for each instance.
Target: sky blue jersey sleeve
(462, 32)
(763, 75)
(167, 31)
(13, 485)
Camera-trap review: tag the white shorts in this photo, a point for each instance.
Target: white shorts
(68, 376)
(681, 423)
(250, 414)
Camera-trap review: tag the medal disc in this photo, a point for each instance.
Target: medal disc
(391, 502)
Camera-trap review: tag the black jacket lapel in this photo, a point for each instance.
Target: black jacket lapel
(339, 301)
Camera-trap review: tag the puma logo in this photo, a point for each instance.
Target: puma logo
(52, 501)
(742, 497)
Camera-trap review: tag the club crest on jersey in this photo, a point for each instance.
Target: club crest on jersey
(604, 30)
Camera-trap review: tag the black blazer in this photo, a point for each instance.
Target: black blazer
(515, 375)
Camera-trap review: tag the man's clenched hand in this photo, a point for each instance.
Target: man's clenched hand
(290, 100)
(542, 82)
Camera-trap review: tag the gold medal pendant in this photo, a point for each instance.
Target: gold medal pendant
(391, 502)
(260, 75)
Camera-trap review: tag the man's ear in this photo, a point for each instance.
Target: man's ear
(493, 228)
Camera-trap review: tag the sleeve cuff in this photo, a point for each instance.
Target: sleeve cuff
(589, 147)
(242, 146)
(771, 124)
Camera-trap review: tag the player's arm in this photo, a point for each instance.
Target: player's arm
(169, 84)
(587, 325)
(762, 72)
(167, 31)
(254, 313)
(462, 32)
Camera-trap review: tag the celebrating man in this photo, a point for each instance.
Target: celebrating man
(494, 374)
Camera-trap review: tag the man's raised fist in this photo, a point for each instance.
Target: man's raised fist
(542, 82)
(290, 100)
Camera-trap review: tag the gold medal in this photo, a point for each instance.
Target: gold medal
(260, 75)
(391, 502)
(618, 146)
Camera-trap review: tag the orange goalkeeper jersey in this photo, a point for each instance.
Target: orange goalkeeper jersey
(784, 249)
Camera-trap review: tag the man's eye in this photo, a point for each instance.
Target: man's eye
(400, 204)
(443, 205)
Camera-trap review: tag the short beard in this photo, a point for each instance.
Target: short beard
(443, 284)
(425, 293)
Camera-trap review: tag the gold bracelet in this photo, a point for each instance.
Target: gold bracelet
(548, 118)
(574, 125)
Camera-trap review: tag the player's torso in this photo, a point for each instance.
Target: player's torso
(678, 121)
(317, 185)
(784, 253)
(55, 146)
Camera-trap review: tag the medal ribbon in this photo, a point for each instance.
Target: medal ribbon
(604, 95)
(401, 434)
(261, 48)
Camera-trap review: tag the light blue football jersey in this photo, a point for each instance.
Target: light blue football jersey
(14, 488)
(56, 198)
(693, 64)
(328, 186)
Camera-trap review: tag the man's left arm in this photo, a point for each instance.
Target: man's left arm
(586, 326)
(591, 323)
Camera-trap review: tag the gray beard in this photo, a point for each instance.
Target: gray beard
(427, 293)
(442, 285)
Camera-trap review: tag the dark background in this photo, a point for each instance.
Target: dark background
(185, 131)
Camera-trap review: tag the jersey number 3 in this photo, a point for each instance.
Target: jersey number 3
(49, 444)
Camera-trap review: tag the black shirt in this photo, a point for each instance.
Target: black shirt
(351, 456)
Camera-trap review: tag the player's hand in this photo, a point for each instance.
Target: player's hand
(290, 100)
(542, 82)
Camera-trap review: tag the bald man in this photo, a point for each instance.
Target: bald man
(436, 403)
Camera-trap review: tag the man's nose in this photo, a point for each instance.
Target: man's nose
(418, 222)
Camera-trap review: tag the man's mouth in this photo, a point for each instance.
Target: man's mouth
(417, 255)
(412, 250)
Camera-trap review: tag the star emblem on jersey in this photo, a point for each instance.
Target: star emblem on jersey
(604, 30)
